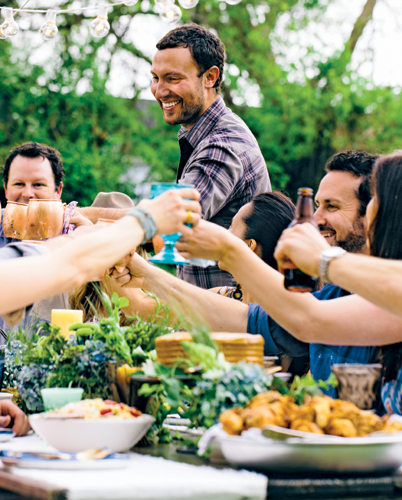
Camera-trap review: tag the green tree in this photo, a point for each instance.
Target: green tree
(298, 123)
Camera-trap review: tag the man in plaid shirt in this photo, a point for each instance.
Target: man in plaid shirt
(218, 153)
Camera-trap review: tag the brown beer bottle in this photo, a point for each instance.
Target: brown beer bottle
(296, 280)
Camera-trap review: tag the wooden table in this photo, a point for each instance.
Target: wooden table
(279, 487)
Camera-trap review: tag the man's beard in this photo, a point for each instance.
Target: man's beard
(192, 109)
(355, 240)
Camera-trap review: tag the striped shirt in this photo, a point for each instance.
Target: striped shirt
(225, 166)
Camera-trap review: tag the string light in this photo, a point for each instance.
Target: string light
(2, 34)
(9, 27)
(188, 4)
(49, 29)
(163, 5)
(100, 27)
(171, 15)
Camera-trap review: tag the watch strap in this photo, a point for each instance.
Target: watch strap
(325, 260)
(146, 220)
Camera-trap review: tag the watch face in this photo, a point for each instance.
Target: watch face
(333, 252)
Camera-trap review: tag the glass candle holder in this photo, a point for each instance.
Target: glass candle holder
(56, 397)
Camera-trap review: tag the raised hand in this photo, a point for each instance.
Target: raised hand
(207, 241)
(300, 246)
(171, 210)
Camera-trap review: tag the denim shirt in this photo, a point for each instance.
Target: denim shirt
(322, 357)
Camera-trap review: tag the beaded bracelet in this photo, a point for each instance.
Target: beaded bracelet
(144, 217)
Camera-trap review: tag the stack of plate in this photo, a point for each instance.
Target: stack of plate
(235, 346)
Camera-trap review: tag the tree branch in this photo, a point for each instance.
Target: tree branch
(361, 22)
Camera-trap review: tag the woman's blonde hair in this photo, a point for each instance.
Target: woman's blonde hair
(88, 297)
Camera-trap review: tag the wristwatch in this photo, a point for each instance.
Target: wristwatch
(327, 256)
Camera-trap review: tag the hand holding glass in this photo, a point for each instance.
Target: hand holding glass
(168, 254)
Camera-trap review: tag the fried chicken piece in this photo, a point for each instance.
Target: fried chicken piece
(268, 398)
(304, 412)
(340, 406)
(395, 426)
(322, 407)
(280, 410)
(341, 427)
(306, 426)
(232, 421)
(260, 417)
(367, 422)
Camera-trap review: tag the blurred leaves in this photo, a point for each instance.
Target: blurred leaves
(298, 122)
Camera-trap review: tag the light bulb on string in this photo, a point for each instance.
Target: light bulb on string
(172, 15)
(100, 27)
(49, 29)
(188, 4)
(9, 27)
(232, 2)
(2, 34)
(162, 6)
(130, 3)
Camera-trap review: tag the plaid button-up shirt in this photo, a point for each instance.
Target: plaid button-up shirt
(226, 165)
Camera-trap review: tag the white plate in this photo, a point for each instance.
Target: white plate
(38, 463)
(374, 454)
(312, 438)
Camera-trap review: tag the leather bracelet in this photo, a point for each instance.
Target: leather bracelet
(146, 220)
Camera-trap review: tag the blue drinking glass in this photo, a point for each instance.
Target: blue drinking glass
(168, 254)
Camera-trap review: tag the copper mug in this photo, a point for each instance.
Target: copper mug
(45, 219)
(15, 220)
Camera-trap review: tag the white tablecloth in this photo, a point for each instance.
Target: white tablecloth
(145, 478)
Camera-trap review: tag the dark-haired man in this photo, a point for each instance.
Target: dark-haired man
(342, 198)
(218, 153)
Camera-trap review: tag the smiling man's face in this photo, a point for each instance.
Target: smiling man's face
(31, 178)
(178, 86)
(338, 211)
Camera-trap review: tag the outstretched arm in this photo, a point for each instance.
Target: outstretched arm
(95, 213)
(84, 257)
(198, 305)
(344, 321)
(377, 280)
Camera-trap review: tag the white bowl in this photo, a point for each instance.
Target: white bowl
(76, 434)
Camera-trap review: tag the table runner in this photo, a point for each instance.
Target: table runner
(145, 478)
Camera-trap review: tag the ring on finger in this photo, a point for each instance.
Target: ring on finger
(189, 219)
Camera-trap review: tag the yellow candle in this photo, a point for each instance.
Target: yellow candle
(64, 318)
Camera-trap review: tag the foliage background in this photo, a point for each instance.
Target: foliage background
(299, 122)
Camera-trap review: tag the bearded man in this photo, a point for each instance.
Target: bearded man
(218, 153)
(342, 199)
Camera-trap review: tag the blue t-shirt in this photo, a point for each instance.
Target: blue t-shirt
(322, 357)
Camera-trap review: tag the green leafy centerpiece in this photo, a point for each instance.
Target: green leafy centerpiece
(46, 359)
